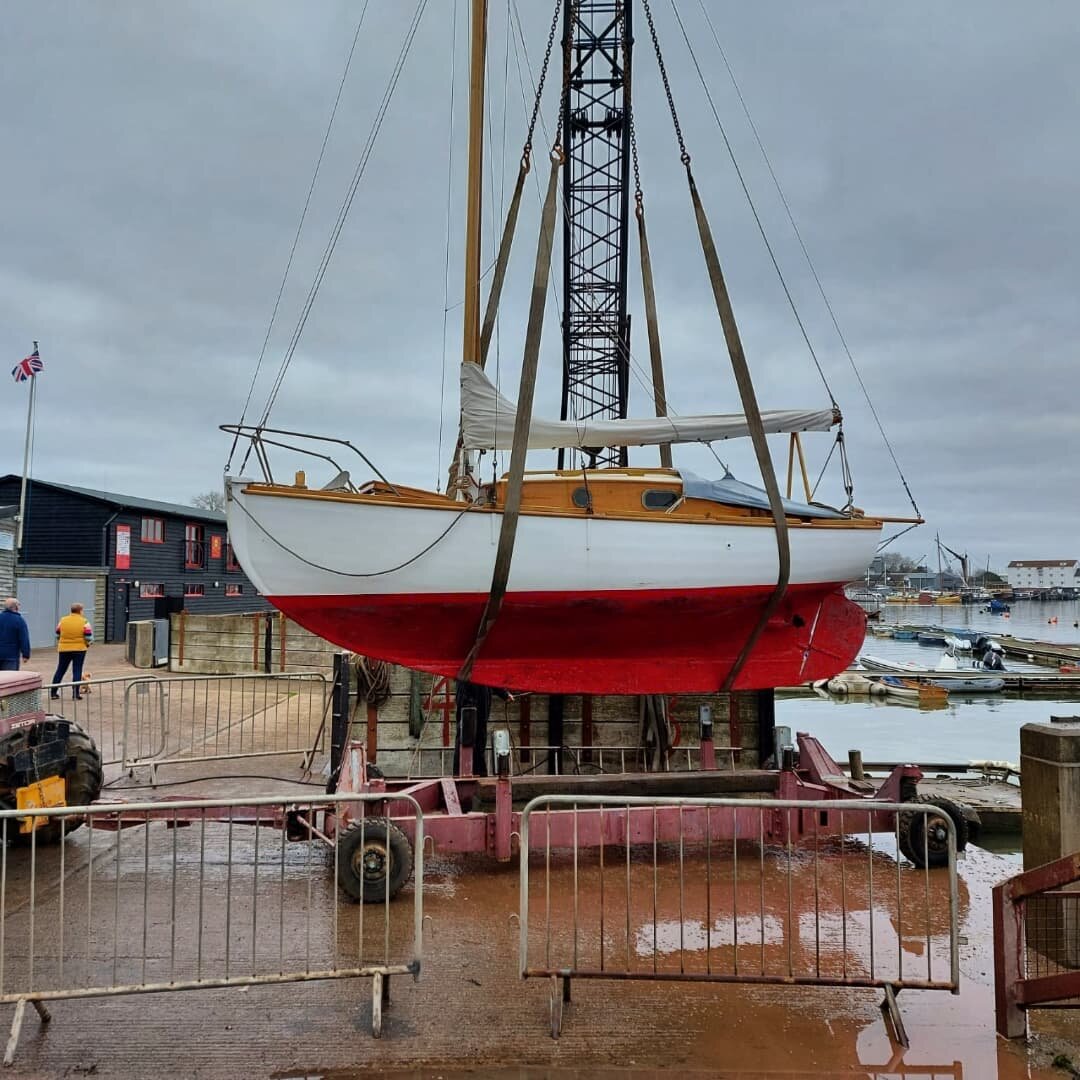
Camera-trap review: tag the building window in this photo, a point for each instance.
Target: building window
(153, 531)
(234, 590)
(194, 590)
(194, 548)
(148, 590)
(230, 558)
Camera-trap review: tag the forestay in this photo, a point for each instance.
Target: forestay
(487, 423)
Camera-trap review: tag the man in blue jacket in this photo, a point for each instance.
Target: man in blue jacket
(14, 636)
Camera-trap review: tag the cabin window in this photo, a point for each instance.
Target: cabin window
(234, 590)
(150, 590)
(582, 498)
(194, 548)
(194, 590)
(659, 499)
(153, 531)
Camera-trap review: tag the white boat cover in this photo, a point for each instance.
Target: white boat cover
(487, 423)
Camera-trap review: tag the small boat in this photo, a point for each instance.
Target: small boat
(905, 635)
(942, 676)
(931, 637)
(910, 689)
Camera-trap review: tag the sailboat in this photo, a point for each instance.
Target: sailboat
(612, 580)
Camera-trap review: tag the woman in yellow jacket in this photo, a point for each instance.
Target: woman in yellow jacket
(74, 635)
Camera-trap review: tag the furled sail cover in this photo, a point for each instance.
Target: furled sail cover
(487, 423)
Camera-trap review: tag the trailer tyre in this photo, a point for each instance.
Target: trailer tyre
(924, 838)
(374, 860)
(82, 784)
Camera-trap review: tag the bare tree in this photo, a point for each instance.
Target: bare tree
(210, 500)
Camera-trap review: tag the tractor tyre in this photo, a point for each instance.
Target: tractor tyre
(924, 838)
(375, 860)
(82, 786)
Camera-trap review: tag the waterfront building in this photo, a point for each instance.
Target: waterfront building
(123, 557)
(1044, 574)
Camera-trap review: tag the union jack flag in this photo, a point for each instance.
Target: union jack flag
(27, 368)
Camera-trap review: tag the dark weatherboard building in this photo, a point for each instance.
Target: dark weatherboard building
(122, 557)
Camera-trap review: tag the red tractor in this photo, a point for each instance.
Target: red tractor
(45, 760)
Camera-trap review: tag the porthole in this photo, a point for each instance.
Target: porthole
(582, 499)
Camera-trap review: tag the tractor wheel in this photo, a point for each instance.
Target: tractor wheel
(82, 786)
(924, 838)
(374, 860)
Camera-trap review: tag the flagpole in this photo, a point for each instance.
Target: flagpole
(26, 465)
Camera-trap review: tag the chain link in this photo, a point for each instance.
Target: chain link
(684, 157)
(568, 46)
(628, 97)
(527, 151)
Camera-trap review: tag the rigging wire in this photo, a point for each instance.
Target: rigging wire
(343, 212)
(348, 573)
(750, 202)
(446, 267)
(299, 229)
(806, 253)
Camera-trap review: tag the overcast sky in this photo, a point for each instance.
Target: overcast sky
(156, 157)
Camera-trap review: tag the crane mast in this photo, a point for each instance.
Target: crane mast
(596, 110)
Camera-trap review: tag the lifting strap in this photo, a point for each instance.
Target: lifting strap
(502, 261)
(511, 511)
(757, 430)
(655, 356)
(492, 310)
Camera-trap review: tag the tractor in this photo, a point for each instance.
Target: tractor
(45, 760)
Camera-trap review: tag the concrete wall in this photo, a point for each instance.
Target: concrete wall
(237, 644)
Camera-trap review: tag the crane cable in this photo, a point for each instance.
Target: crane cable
(296, 237)
(343, 212)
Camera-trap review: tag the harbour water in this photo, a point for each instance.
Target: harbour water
(968, 726)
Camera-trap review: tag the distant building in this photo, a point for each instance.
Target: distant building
(1044, 574)
(124, 558)
(7, 550)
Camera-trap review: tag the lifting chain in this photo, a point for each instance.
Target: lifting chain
(684, 157)
(639, 196)
(526, 153)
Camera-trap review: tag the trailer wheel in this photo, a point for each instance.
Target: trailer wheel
(374, 860)
(924, 838)
(82, 784)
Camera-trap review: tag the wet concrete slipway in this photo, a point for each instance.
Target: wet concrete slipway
(470, 1013)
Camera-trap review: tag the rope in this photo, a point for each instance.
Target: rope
(296, 238)
(348, 573)
(343, 212)
(372, 681)
(446, 259)
(806, 255)
(753, 207)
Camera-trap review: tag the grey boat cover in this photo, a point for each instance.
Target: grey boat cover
(735, 493)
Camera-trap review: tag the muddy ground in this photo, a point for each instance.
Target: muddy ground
(469, 1012)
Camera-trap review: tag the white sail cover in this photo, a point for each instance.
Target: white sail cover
(487, 423)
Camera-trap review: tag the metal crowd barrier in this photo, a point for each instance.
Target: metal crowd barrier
(99, 710)
(708, 890)
(217, 717)
(183, 895)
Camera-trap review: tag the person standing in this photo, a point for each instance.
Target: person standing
(14, 636)
(74, 635)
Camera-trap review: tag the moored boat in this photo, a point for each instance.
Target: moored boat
(970, 682)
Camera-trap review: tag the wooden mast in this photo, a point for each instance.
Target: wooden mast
(470, 343)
